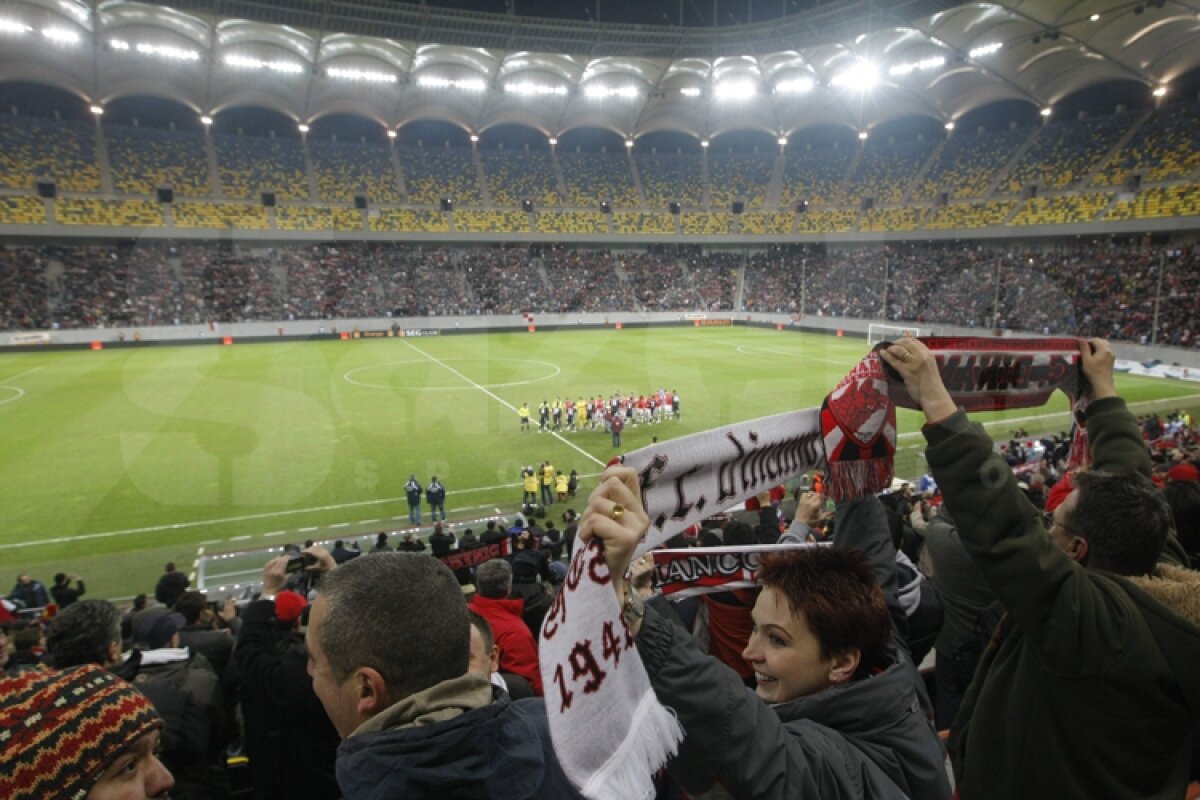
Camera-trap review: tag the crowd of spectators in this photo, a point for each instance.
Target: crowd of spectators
(249, 700)
(1102, 288)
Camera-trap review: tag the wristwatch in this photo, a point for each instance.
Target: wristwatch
(633, 610)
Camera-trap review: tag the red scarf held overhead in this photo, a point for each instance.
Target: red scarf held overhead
(609, 730)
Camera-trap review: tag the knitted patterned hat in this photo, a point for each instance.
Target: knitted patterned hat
(60, 729)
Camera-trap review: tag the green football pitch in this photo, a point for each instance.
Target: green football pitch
(114, 462)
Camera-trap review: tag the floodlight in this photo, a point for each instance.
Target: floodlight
(917, 66)
(1094, 17)
(1160, 91)
(391, 134)
(530, 89)
(12, 26)
(95, 109)
(362, 75)
(782, 141)
(629, 144)
(61, 35)
(303, 128)
(862, 136)
(206, 120)
(1047, 111)
(289, 67)
(984, 50)
(704, 143)
(474, 137)
(244, 62)
(167, 51)
(690, 91)
(119, 44)
(794, 86)
(736, 89)
(863, 76)
(463, 84)
(553, 141)
(949, 126)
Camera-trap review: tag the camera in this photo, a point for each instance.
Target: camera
(302, 561)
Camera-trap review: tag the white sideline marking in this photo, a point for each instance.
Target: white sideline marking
(307, 530)
(500, 400)
(238, 538)
(223, 520)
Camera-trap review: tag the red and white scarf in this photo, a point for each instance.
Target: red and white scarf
(704, 570)
(610, 732)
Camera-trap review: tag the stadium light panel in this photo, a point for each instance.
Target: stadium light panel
(61, 35)
(95, 109)
(949, 126)
(690, 91)
(303, 128)
(1047, 111)
(704, 143)
(1160, 91)
(167, 51)
(1094, 17)
(244, 62)
(737, 89)
(118, 44)
(629, 144)
(984, 50)
(391, 134)
(361, 75)
(917, 66)
(553, 141)
(863, 136)
(530, 89)
(604, 92)
(463, 84)
(795, 86)
(474, 137)
(782, 141)
(12, 26)
(862, 76)
(206, 120)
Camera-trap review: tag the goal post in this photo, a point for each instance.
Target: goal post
(877, 333)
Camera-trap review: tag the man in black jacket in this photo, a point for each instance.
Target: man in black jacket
(289, 739)
(64, 595)
(415, 723)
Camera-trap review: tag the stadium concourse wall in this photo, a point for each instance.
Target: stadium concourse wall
(384, 327)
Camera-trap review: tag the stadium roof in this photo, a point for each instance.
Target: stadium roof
(856, 63)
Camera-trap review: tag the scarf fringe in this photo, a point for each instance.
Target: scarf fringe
(654, 737)
(850, 479)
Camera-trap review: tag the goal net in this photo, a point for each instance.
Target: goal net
(877, 333)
